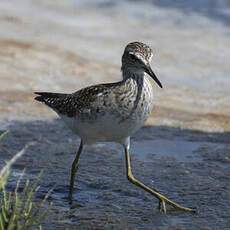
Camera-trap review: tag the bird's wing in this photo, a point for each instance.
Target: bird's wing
(78, 102)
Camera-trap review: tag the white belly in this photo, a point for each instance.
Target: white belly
(106, 129)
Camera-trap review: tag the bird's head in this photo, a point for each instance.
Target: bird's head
(136, 58)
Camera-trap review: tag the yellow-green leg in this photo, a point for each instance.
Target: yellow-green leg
(163, 200)
(74, 171)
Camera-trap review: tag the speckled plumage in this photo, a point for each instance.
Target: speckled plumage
(113, 111)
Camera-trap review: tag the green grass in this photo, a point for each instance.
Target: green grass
(18, 210)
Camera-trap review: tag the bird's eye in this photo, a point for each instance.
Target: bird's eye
(133, 57)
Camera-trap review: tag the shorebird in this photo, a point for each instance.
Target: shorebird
(112, 112)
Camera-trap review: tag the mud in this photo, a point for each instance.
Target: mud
(190, 167)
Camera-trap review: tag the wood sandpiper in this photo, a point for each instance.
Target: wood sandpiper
(112, 111)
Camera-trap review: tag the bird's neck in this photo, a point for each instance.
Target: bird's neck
(138, 77)
(140, 86)
(132, 73)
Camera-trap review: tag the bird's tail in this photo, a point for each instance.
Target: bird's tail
(43, 96)
(52, 100)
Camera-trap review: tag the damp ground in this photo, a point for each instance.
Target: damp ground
(191, 167)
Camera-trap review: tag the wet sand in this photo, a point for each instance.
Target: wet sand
(190, 167)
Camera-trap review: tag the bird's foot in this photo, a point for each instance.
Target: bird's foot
(162, 206)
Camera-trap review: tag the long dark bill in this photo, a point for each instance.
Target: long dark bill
(150, 72)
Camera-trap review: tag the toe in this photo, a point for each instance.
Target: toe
(162, 206)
